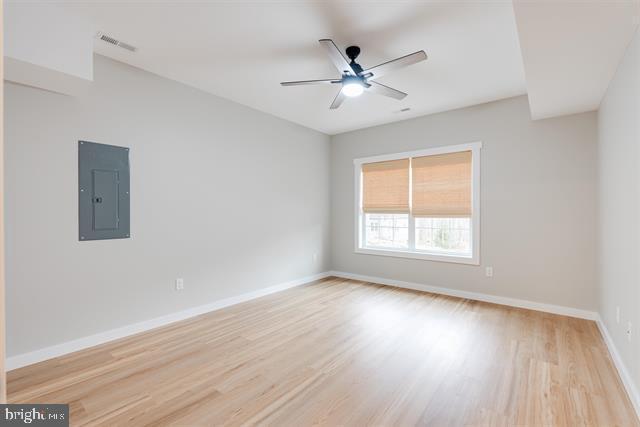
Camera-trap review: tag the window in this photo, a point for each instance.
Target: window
(446, 235)
(421, 204)
(387, 230)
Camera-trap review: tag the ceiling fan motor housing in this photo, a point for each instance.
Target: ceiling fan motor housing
(352, 53)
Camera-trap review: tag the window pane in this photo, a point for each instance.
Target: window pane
(448, 235)
(386, 230)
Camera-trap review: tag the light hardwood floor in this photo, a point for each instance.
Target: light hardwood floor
(342, 352)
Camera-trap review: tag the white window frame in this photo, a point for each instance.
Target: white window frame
(359, 224)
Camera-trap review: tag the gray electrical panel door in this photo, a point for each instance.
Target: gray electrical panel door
(103, 191)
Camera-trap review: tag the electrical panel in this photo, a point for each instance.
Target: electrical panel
(103, 191)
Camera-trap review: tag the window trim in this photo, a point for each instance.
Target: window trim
(474, 259)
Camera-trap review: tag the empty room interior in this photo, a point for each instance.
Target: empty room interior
(306, 212)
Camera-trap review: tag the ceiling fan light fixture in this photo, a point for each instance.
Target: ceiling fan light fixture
(354, 78)
(352, 88)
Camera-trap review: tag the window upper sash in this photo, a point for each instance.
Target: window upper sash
(385, 186)
(441, 185)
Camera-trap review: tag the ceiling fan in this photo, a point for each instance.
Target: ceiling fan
(354, 79)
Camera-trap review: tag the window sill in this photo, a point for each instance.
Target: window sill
(457, 259)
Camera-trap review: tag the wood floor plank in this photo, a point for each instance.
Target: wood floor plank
(343, 352)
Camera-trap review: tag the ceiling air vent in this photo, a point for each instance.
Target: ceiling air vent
(115, 42)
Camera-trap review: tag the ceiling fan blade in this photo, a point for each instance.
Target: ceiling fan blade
(337, 57)
(338, 100)
(311, 82)
(381, 89)
(395, 64)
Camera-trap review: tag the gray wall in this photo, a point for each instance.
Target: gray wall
(227, 197)
(619, 207)
(234, 200)
(538, 202)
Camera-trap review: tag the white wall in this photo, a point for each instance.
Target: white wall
(619, 208)
(227, 197)
(538, 202)
(48, 47)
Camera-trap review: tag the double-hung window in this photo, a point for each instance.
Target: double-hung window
(422, 204)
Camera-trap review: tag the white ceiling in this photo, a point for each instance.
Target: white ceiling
(242, 50)
(571, 50)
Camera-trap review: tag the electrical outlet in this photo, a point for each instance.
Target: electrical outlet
(618, 314)
(315, 257)
(179, 284)
(629, 331)
(489, 271)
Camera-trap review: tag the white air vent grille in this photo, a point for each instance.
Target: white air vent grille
(115, 42)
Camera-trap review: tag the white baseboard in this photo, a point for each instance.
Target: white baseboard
(57, 350)
(625, 376)
(514, 302)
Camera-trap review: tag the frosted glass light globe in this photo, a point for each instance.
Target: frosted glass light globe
(352, 89)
